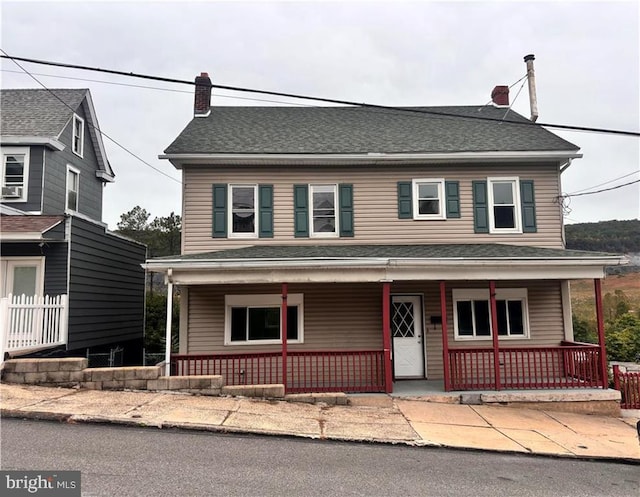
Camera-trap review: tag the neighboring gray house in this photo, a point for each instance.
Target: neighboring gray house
(345, 248)
(83, 286)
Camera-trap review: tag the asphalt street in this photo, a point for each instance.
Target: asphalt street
(126, 461)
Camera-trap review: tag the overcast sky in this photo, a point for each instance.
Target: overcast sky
(388, 53)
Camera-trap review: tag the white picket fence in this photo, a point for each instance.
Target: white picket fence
(32, 322)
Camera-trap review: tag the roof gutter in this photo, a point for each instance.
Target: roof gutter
(51, 143)
(370, 158)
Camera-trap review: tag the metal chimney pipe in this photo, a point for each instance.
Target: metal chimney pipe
(531, 78)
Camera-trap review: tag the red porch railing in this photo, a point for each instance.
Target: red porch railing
(307, 371)
(568, 366)
(628, 384)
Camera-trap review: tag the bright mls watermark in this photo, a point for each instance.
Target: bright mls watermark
(40, 483)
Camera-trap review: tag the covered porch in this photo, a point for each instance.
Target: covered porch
(465, 363)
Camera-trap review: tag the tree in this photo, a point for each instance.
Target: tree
(134, 221)
(623, 338)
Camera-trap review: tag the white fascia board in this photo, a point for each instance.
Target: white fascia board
(51, 143)
(372, 158)
(22, 236)
(267, 271)
(105, 176)
(94, 122)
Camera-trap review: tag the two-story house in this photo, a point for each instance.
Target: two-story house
(68, 286)
(399, 243)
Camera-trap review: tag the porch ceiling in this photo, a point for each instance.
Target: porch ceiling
(374, 263)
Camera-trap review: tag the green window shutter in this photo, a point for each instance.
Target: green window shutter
(345, 194)
(301, 210)
(480, 207)
(405, 203)
(219, 211)
(528, 204)
(452, 198)
(265, 211)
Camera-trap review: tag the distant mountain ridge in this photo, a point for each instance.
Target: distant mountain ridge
(620, 237)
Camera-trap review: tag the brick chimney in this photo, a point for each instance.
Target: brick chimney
(500, 96)
(202, 100)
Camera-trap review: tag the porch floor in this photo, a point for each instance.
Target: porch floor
(433, 390)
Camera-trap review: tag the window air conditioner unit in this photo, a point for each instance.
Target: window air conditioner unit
(11, 191)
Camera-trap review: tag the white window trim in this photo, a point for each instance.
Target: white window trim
(336, 209)
(79, 153)
(256, 217)
(416, 201)
(262, 300)
(6, 270)
(25, 171)
(67, 209)
(465, 294)
(516, 199)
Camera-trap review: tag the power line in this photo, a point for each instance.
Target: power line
(326, 100)
(603, 190)
(606, 182)
(93, 125)
(145, 87)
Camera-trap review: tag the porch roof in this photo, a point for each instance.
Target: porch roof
(27, 228)
(352, 262)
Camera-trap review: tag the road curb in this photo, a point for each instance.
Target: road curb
(138, 423)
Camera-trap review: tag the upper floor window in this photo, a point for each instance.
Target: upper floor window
(428, 199)
(73, 188)
(15, 174)
(472, 314)
(242, 213)
(504, 205)
(323, 210)
(77, 141)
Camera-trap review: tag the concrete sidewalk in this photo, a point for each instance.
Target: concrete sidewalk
(410, 422)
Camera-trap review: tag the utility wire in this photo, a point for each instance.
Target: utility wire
(606, 182)
(327, 100)
(93, 125)
(145, 87)
(603, 190)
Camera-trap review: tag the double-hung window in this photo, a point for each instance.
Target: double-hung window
(428, 199)
(504, 205)
(324, 199)
(15, 173)
(242, 214)
(73, 188)
(472, 316)
(77, 140)
(255, 319)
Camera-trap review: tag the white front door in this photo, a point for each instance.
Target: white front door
(406, 329)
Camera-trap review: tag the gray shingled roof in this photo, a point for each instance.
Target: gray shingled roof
(354, 130)
(435, 251)
(27, 112)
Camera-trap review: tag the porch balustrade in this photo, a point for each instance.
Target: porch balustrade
(32, 322)
(307, 371)
(572, 365)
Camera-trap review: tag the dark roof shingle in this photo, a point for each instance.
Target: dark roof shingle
(357, 130)
(27, 112)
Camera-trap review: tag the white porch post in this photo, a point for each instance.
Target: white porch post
(167, 345)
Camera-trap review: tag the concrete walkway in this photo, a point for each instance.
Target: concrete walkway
(410, 422)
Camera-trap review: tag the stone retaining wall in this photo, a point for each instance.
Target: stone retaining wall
(73, 372)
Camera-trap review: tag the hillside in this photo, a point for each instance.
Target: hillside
(621, 237)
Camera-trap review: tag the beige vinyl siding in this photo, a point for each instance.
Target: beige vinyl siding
(349, 317)
(336, 317)
(375, 203)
